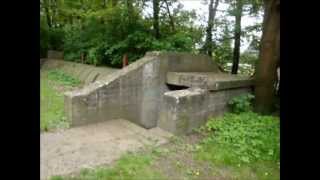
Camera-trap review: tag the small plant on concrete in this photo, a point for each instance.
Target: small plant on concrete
(241, 103)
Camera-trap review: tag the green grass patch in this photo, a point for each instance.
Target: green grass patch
(246, 142)
(52, 100)
(63, 78)
(132, 166)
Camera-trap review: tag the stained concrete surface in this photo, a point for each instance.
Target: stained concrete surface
(208, 80)
(134, 92)
(65, 152)
(188, 109)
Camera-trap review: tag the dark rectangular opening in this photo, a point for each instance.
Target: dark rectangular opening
(175, 87)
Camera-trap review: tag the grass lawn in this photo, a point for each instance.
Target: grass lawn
(210, 153)
(53, 83)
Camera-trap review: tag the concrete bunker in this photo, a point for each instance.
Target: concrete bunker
(174, 91)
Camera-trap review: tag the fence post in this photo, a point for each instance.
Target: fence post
(125, 60)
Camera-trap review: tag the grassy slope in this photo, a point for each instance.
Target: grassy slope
(52, 85)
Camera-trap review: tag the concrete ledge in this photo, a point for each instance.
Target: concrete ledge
(208, 80)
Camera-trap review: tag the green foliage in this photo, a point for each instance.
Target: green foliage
(51, 105)
(55, 39)
(222, 45)
(242, 103)
(180, 42)
(44, 41)
(102, 34)
(84, 39)
(241, 138)
(50, 38)
(63, 78)
(52, 85)
(104, 46)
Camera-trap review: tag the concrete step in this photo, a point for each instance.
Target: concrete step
(97, 144)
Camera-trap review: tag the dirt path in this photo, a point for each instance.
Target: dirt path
(68, 151)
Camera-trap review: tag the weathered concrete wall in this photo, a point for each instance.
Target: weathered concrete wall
(135, 92)
(155, 86)
(119, 95)
(139, 93)
(217, 100)
(83, 72)
(184, 110)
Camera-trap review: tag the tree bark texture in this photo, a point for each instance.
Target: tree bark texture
(266, 70)
(156, 10)
(237, 38)
(170, 16)
(212, 13)
(46, 5)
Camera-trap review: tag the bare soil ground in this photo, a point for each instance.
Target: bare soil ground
(67, 151)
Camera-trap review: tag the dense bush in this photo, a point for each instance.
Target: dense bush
(50, 39)
(242, 103)
(104, 36)
(55, 39)
(84, 39)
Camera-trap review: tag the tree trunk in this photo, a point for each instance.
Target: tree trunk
(170, 17)
(112, 3)
(46, 9)
(55, 13)
(156, 10)
(212, 13)
(266, 71)
(125, 61)
(237, 38)
(130, 12)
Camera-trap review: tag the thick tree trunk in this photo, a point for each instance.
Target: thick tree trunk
(212, 13)
(170, 17)
(156, 10)
(266, 71)
(237, 38)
